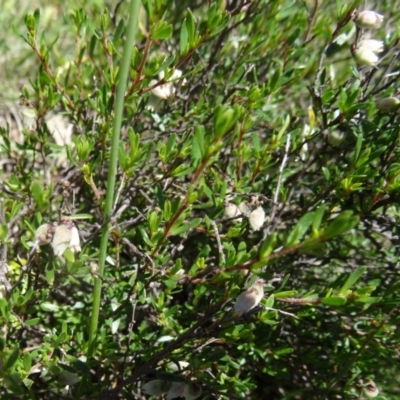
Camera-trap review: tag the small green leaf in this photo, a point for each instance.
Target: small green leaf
(190, 28)
(273, 82)
(63, 337)
(369, 300)
(12, 358)
(50, 275)
(184, 39)
(357, 149)
(283, 283)
(51, 307)
(270, 301)
(284, 127)
(318, 215)
(171, 142)
(167, 211)
(344, 222)
(69, 256)
(171, 311)
(299, 230)
(224, 119)
(288, 293)
(198, 146)
(3, 232)
(178, 229)
(161, 31)
(181, 170)
(28, 382)
(334, 301)
(352, 279)
(268, 246)
(37, 192)
(32, 322)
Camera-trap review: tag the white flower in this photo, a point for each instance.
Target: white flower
(257, 218)
(377, 46)
(168, 89)
(244, 208)
(44, 234)
(369, 20)
(192, 391)
(365, 56)
(75, 244)
(66, 236)
(232, 211)
(156, 387)
(387, 104)
(335, 138)
(366, 52)
(176, 390)
(178, 365)
(250, 298)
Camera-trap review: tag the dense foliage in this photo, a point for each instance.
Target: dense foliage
(259, 140)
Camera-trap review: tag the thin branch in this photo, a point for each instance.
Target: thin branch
(220, 248)
(191, 333)
(3, 254)
(140, 69)
(278, 186)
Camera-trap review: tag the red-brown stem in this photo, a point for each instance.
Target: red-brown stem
(311, 20)
(141, 66)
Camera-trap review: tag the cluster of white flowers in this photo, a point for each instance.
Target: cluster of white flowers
(62, 236)
(367, 50)
(366, 53)
(188, 390)
(256, 217)
(165, 91)
(168, 89)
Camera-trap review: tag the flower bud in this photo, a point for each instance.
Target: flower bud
(369, 20)
(250, 298)
(156, 387)
(192, 391)
(370, 390)
(387, 104)
(257, 218)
